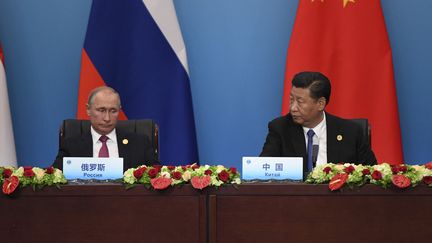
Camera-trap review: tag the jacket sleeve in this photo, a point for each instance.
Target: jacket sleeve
(273, 144)
(62, 152)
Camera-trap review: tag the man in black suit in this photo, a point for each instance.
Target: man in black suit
(102, 139)
(338, 140)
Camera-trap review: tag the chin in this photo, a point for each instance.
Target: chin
(300, 122)
(105, 131)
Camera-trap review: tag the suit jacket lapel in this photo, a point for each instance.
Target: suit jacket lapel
(332, 142)
(123, 148)
(297, 139)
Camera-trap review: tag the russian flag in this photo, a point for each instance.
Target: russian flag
(7, 142)
(136, 47)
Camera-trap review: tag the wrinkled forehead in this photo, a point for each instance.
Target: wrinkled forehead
(300, 92)
(105, 98)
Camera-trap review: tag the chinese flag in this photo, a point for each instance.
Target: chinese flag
(347, 41)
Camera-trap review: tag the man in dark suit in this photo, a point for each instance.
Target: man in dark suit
(338, 140)
(102, 139)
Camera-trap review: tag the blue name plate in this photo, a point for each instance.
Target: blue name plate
(272, 168)
(92, 168)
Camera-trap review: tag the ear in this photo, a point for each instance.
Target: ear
(322, 103)
(88, 109)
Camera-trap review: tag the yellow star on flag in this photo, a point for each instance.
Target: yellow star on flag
(345, 2)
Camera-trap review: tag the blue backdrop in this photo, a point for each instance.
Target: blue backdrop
(236, 51)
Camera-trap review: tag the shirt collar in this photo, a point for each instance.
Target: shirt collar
(319, 129)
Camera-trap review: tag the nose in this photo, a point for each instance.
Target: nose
(293, 106)
(106, 116)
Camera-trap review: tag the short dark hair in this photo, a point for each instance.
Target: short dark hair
(317, 83)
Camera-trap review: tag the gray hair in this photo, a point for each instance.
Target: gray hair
(94, 92)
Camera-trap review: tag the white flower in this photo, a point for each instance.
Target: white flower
(186, 176)
(39, 173)
(165, 174)
(19, 172)
(236, 181)
(58, 176)
(339, 167)
(219, 168)
(215, 181)
(421, 169)
(128, 176)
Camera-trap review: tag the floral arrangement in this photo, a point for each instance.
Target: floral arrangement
(161, 177)
(384, 175)
(11, 177)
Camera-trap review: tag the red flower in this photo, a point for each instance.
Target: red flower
(200, 182)
(338, 181)
(376, 175)
(429, 165)
(157, 167)
(171, 167)
(160, 183)
(401, 181)
(10, 184)
(7, 173)
(349, 169)
(208, 172)
(195, 166)
(176, 175)
(399, 168)
(223, 176)
(153, 172)
(233, 170)
(27, 168)
(427, 180)
(184, 167)
(327, 169)
(49, 170)
(29, 173)
(366, 172)
(403, 168)
(138, 173)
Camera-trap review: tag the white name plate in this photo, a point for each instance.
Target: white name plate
(92, 168)
(272, 168)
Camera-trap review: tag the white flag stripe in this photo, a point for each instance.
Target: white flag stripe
(7, 142)
(164, 14)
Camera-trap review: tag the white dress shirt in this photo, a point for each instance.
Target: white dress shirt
(111, 143)
(319, 138)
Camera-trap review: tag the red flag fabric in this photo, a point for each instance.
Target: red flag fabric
(347, 41)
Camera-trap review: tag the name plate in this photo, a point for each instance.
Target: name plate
(92, 168)
(272, 168)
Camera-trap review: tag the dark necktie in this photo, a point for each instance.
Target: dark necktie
(310, 135)
(103, 152)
